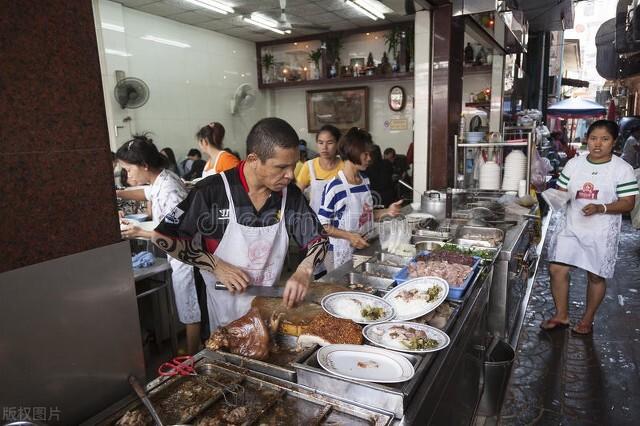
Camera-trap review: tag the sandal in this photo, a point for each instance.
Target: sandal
(553, 324)
(582, 329)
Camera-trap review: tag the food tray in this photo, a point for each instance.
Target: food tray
(455, 293)
(373, 281)
(479, 236)
(393, 259)
(265, 402)
(388, 397)
(381, 270)
(279, 364)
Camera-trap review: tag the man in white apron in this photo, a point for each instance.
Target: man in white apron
(235, 226)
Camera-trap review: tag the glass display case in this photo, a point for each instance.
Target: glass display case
(381, 53)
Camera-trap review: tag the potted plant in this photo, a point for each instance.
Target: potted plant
(267, 65)
(314, 57)
(392, 41)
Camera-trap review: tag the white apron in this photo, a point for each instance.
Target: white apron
(258, 251)
(315, 188)
(357, 217)
(588, 242)
(212, 170)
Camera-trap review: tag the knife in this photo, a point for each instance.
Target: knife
(257, 290)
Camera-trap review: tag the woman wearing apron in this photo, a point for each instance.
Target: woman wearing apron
(346, 210)
(144, 164)
(237, 225)
(315, 173)
(210, 139)
(602, 188)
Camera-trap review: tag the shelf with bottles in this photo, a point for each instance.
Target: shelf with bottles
(381, 53)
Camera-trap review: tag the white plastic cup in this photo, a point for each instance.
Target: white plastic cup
(522, 188)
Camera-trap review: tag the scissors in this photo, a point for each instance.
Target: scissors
(179, 366)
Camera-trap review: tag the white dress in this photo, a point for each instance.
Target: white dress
(591, 242)
(166, 192)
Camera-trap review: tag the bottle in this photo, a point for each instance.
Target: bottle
(463, 126)
(332, 71)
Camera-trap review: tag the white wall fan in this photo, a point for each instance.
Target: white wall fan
(243, 99)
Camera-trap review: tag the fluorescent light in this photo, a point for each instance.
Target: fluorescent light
(165, 41)
(264, 19)
(376, 5)
(371, 8)
(263, 25)
(112, 27)
(362, 10)
(216, 6)
(116, 52)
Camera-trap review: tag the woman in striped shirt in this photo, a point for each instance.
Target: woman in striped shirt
(602, 188)
(346, 210)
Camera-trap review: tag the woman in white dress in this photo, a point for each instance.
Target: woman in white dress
(602, 188)
(346, 209)
(145, 165)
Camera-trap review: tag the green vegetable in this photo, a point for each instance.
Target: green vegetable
(433, 293)
(484, 254)
(420, 343)
(372, 313)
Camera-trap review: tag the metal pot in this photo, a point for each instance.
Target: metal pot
(433, 203)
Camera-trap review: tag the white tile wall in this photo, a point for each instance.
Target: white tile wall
(188, 86)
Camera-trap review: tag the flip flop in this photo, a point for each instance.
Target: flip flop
(553, 324)
(582, 329)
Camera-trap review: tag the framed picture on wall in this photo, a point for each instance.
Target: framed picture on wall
(344, 108)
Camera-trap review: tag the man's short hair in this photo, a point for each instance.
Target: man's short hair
(269, 133)
(389, 151)
(194, 152)
(353, 143)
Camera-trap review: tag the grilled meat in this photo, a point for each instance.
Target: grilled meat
(247, 336)
(326, 329)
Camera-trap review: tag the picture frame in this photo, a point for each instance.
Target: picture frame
(341, 107)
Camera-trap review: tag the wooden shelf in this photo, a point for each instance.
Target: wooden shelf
(338, 80)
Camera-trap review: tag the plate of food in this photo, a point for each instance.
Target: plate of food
(365, 363)
(417, 297)
(359, 307)
(404, 336)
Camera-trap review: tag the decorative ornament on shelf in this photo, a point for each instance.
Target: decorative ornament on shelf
(315, 56)
(385, 67)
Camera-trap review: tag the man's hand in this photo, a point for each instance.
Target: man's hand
(394, 209)
(233, 278)
(591, 209)
(131, 230)
(296, 288)
(357, 241)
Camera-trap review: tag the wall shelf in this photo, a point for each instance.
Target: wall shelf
(337, 80)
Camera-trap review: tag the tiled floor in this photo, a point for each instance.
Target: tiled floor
(562, 379)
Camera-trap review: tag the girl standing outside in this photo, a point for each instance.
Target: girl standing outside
(602, 188)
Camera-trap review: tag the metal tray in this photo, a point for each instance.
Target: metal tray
(373, 281)
(393, 259)
(439, 234)
(479, 236)
(264, 400)
(276, 366)
(388, 397)
(380, 269)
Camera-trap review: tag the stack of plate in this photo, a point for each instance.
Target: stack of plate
(489, 176)
(473, 137)
(515, 169)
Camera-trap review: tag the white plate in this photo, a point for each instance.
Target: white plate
(147, 226)
(345, 304)
(406, 311)
(365, 363)
(379, 334)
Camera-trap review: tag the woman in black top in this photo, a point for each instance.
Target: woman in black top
(380, 173)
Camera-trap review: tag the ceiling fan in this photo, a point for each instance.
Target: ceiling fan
(285, 25)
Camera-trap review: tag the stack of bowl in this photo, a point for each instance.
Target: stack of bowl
(515, 169)
(489, 176)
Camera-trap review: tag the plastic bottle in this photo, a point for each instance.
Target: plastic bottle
(463, 126)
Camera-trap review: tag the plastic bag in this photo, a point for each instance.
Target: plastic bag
(540, 167)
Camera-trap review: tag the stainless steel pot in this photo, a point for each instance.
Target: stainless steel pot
(433, 203)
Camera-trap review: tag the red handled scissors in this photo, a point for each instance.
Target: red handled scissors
(179, 366)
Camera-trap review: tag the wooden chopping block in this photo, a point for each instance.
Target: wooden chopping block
(295, 320)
